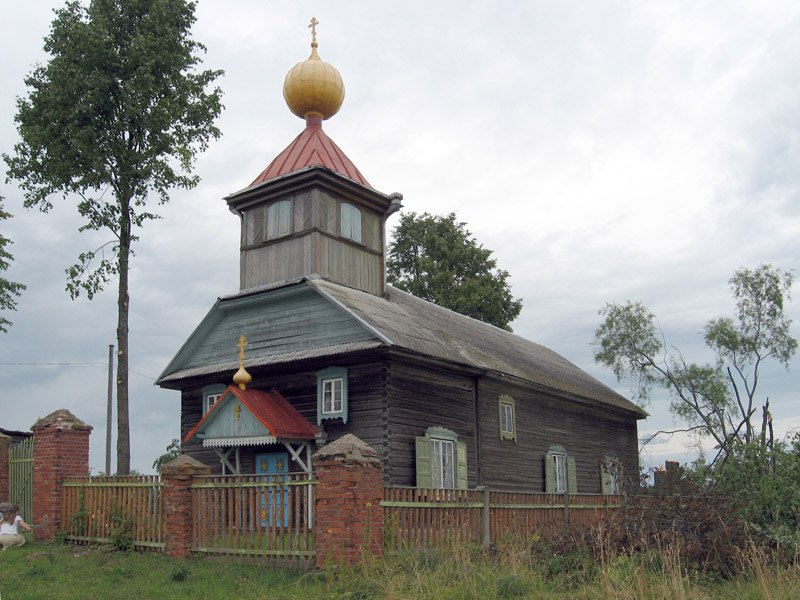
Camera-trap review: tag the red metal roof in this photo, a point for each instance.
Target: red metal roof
(271, 409)
(311, 148)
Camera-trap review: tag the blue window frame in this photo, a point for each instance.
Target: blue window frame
(332, 394)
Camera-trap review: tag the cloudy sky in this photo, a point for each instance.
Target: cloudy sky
(604, 150)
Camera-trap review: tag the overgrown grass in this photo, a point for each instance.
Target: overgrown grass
(513, 571)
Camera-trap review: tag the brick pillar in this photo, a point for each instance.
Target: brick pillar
(177, 476)
(348, 516)
(5, 443)
(60, 450)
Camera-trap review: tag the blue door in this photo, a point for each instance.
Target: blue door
(273, 467)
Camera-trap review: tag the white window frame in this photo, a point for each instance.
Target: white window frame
(279, 219)
(351, 222)
(613, 468)
(560, 476)
(332, 395)
(507, 424)
(211, 400)
(443, 464)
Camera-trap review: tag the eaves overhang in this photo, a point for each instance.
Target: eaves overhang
(313, 176)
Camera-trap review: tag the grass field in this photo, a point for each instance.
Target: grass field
(75, 572)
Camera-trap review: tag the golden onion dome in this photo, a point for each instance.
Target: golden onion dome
(314, 87)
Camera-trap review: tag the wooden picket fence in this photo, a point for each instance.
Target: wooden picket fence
(422, 518)
(20, 474)
(254, 515)
(114, 509)
(272, 517)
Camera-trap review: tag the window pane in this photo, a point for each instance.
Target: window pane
(351, 222)
(332, 395)
(508, 419)
(443, 464)
(337, 395)
(327, 396)
(279, 217)
(284, 217)
(436, 467)
(560, 472)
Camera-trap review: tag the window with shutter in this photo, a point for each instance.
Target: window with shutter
(560, 473)
(441, 460)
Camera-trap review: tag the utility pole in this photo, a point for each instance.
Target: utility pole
(108, 410)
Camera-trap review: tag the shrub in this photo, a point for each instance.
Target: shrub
(708, 529)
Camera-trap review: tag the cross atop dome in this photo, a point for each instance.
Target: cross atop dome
(313, 87)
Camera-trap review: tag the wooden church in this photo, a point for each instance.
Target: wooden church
(326, 348)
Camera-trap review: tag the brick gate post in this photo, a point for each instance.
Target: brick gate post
(177, 476)
(348, 516)
(60, 450)
(5, 444)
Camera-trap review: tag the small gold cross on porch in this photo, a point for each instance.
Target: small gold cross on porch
(242, 377)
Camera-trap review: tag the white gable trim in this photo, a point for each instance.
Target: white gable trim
(253, 440)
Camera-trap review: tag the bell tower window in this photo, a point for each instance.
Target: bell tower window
(279, 219)
(351, 222)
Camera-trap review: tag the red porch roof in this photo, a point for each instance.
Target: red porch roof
(311, 148)
(271, 409)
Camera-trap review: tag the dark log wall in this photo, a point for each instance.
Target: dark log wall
(419, 397)
(367, 407)
(392, 401)
(587, 433)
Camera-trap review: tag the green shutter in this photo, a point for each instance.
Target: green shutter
(572, 476)
(605, 479)
(549, 474)
(461, 465)
(424, 475)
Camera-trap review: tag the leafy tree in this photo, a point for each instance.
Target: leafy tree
(173, 451)
(716, 399)
(437, 259)
(118, 112)
(9, 290)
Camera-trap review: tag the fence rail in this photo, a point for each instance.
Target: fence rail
(420, 517)
(254, 515)
(100, 509)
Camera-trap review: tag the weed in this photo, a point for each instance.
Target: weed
(179, 573)
(513, 586)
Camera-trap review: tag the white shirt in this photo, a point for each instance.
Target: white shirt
(10, 528)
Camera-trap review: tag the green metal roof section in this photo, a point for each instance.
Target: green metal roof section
(286, 321)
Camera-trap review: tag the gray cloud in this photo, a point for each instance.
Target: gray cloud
(636, 150)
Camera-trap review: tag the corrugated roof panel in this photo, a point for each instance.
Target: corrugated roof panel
(271, 410)
(311, 148)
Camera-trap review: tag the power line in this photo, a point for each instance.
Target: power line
(70, 364)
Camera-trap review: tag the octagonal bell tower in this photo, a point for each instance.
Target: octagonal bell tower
(311, 211)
